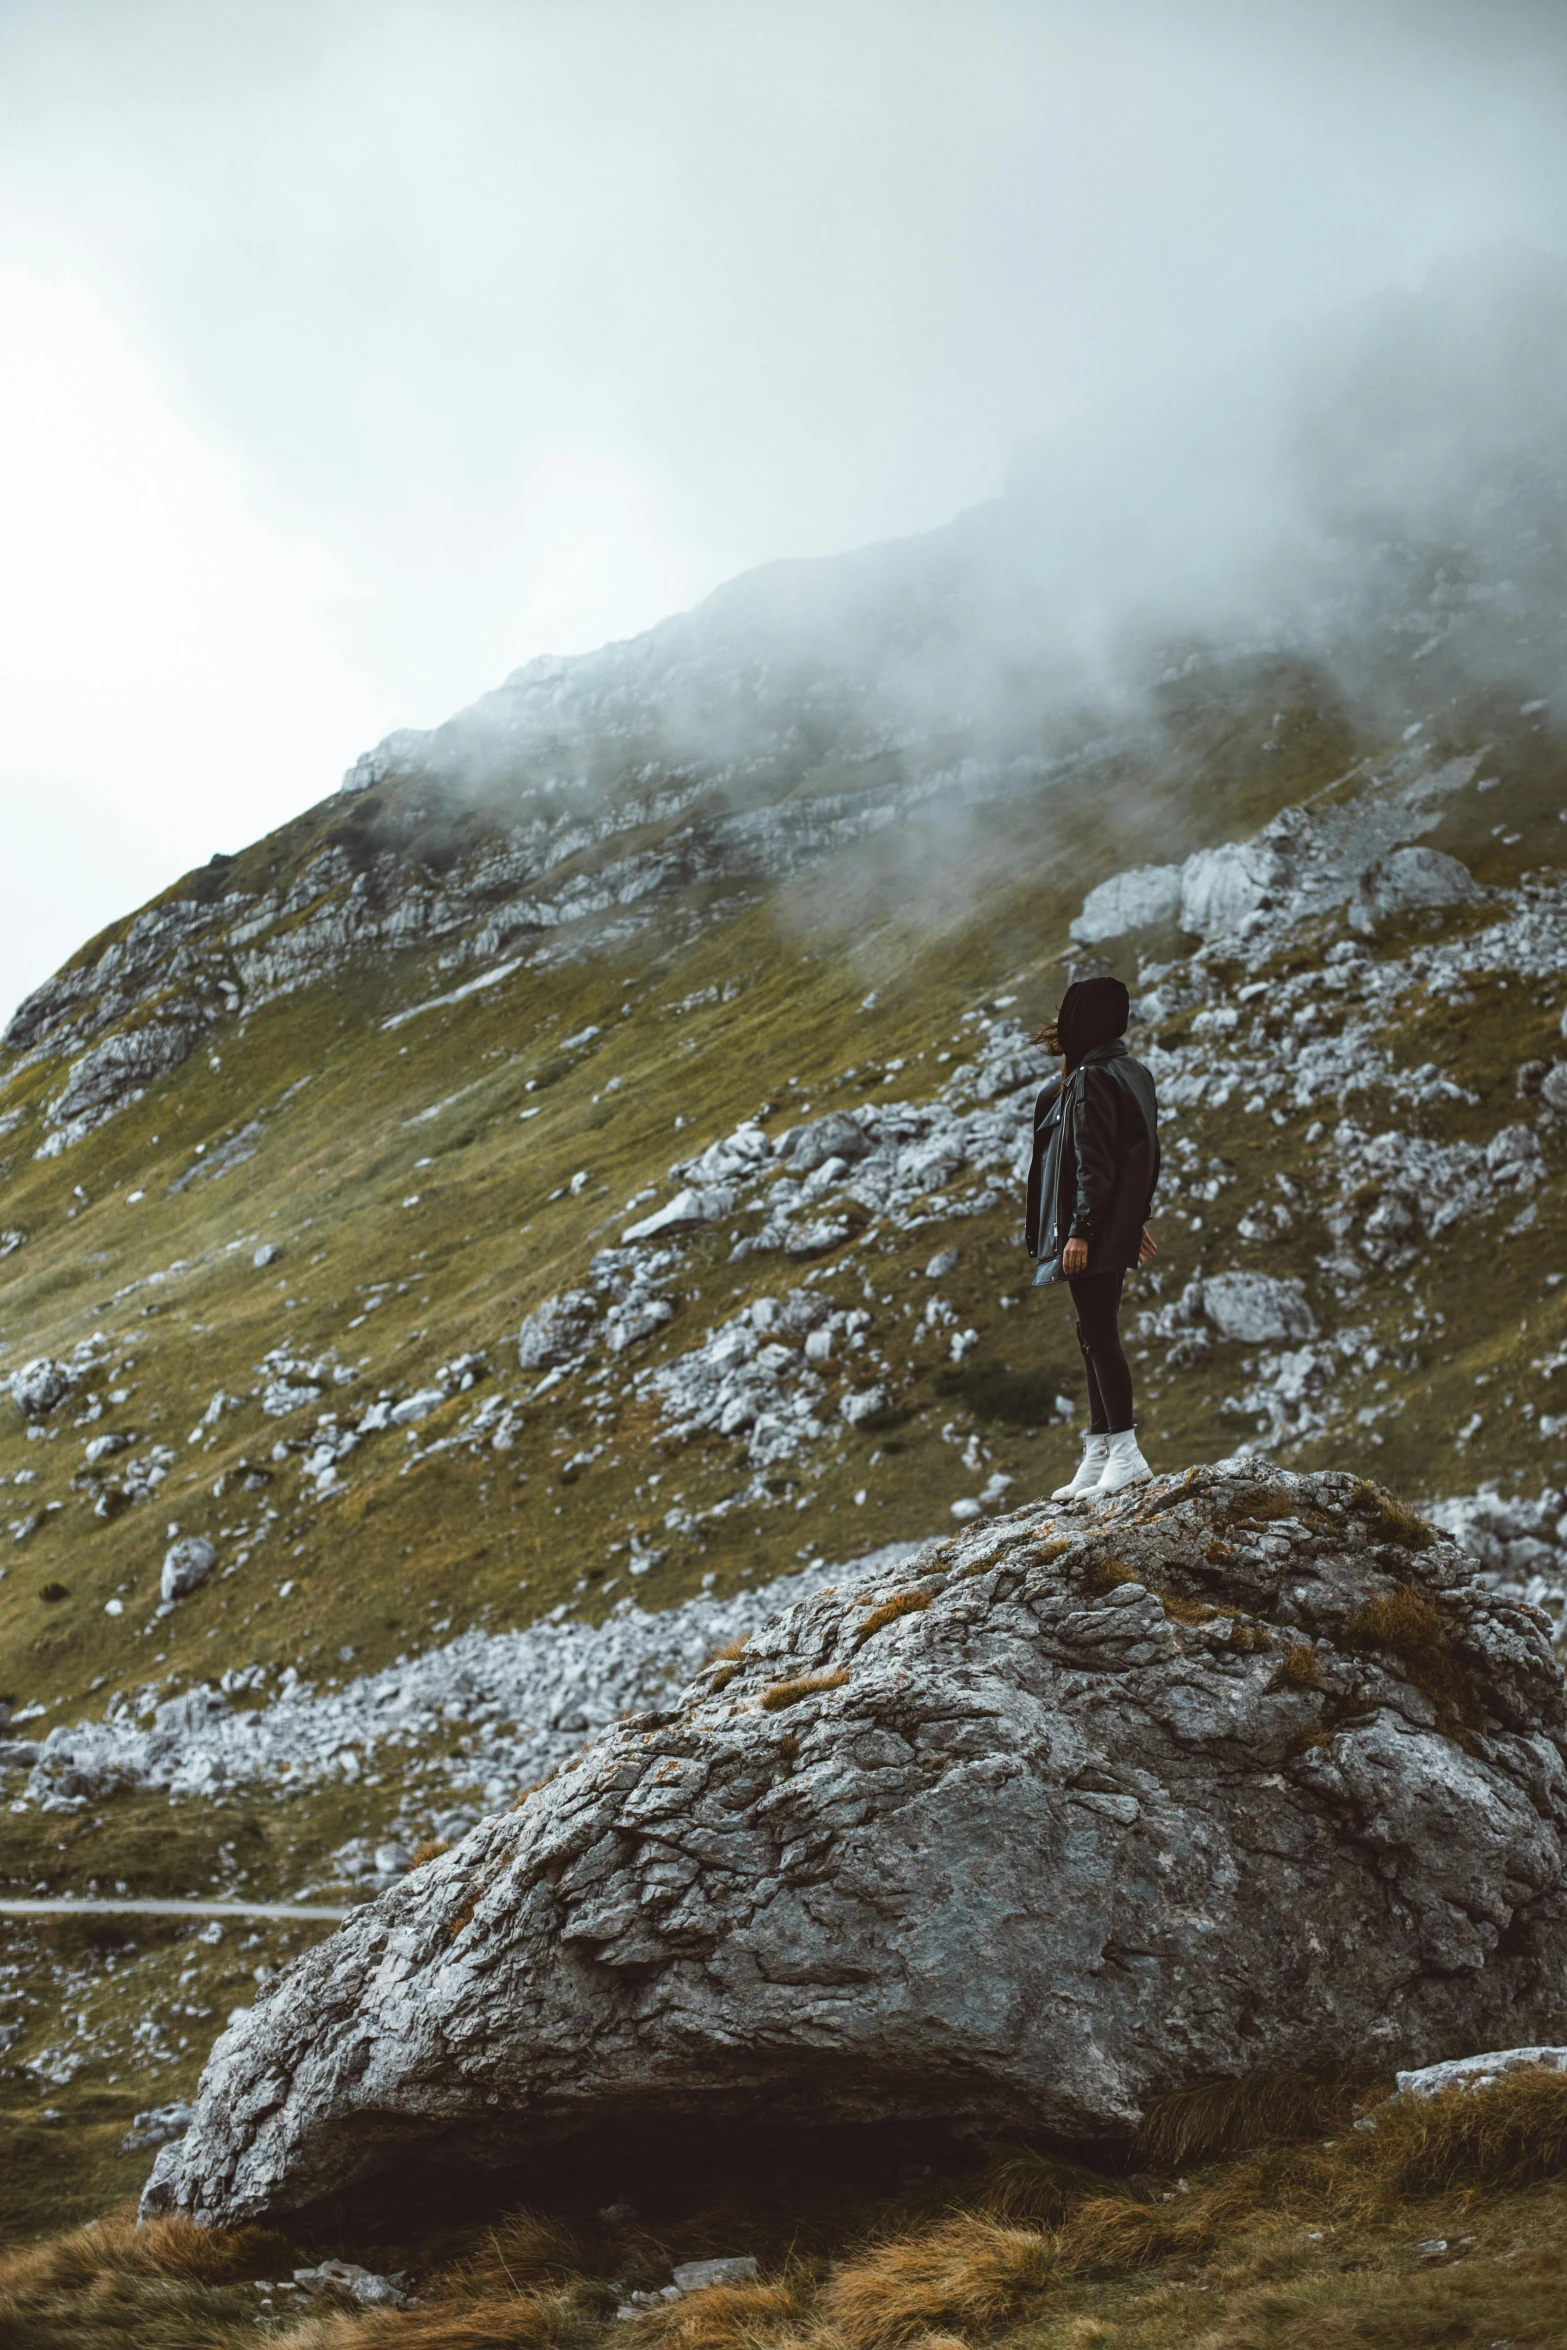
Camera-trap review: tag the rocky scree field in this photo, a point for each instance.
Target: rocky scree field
(470, 1256)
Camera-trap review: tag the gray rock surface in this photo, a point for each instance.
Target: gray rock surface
(186, 1566)
(1408, 879)
(1129, 901)
(555, 1333)
(1244, 1772)
(40, 1385)
(1255, 1307)
(695, 2276)
(1480, 2072)
(360, 2285)
(116, 1072)
(156, 2127)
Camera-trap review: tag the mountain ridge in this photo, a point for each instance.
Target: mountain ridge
(326, 1179)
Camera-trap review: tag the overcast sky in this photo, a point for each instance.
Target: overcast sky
(356, 351)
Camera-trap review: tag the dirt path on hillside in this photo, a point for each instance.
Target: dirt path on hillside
(168, 1909)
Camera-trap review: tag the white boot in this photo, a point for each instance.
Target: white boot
(1124, 1464)
(1096, 1451)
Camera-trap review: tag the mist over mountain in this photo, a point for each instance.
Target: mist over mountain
(1396, 470)
(475, 1251)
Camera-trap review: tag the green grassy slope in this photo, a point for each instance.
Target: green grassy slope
(417, 1180)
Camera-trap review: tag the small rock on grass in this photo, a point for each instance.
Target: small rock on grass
(694, 2276)
(186, 1566)
(1480, 2072)
(361, 2284)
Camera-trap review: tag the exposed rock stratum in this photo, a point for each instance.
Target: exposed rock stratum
(1248, 1770)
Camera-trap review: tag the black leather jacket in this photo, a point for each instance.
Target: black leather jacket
(1095, 1161)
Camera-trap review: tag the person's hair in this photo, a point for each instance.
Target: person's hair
(1091, 1013)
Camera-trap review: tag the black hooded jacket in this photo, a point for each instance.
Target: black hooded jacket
(1096, 1138)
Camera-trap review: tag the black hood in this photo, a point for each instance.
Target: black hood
(1093, 1011)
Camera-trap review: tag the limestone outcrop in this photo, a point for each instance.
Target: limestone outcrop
(1247, 1770)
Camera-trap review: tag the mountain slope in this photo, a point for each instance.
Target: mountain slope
(746, 926)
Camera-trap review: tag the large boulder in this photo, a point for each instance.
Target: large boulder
(1222, 888)
(1134, 900)
(1408, 880)
(1243, 1772)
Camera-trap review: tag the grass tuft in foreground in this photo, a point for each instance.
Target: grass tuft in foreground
(1440, 2228)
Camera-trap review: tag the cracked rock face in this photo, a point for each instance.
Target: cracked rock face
(1246, 1771)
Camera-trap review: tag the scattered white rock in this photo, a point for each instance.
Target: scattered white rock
(1479, 2072)
(1129, 901)
(267, 1254)
(186, 1565)
(360, 2284)
(1255, 1307)
(532, 1698)
(687, 1209)
(695, 2276)
(113, 1074)
(159, 2126)
(555, 1333)
(1221, 888)
(417, 1407)
(40, 1386)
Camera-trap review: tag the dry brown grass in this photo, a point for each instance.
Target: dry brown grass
(726, 1664)
(968, 2272)
(116, 2246)
(731, 2317)
(1402, 1624)
(522, 2321)
(1112, 2234)
(1297, 1668)
(784, 1693)
(431, 1849)
(168, 2286)
(1184, 1610)
(529, 2248)
(1292, 2232)
(1392, 1520)
(1250, 1639)
(1021, 2183)
(1219, 2119)
(1506, 2136)
(521, 2289)
(903, 1603)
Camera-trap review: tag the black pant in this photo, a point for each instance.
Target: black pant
(1096, 1299)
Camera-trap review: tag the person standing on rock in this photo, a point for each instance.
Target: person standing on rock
(1090, 1185)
